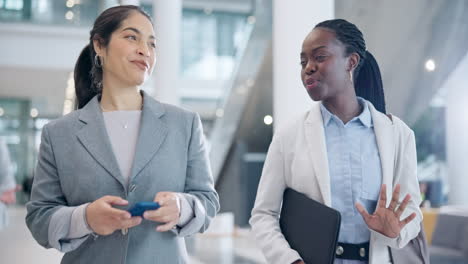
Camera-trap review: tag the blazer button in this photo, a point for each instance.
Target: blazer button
(339, 250)
(124, 231)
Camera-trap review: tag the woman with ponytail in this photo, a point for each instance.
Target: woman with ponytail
(120, 147)
(345, 152)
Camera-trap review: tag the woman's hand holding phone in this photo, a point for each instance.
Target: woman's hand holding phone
(169, 212)
(104, 219)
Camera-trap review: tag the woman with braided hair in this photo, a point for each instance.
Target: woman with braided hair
(345, 152)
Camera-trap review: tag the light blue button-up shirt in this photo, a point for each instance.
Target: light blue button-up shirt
(355, 172)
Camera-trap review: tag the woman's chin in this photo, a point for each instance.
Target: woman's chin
(138, 81)
(314, 96)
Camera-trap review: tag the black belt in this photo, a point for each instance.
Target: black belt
(353, 251)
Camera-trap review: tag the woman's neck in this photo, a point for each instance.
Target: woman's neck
(120, 98)
(345, 107)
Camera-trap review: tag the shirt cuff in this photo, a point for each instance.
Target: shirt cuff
(186, 211)
(78, 224)
(385, 240)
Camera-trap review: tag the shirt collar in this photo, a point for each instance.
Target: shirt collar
(365, 117)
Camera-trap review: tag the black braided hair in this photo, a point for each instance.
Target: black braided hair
(367, 78)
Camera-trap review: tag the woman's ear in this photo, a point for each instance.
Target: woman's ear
(97, 46)
(353, 61)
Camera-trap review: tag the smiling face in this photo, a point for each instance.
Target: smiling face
(129, 57)
(325, 69)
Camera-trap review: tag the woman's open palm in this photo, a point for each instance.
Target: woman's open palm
(386, 220)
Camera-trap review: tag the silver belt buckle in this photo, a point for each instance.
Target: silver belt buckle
(362, 252)
(339, 250)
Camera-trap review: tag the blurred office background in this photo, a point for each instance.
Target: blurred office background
(236, 63)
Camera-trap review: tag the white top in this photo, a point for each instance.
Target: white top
(123, 128)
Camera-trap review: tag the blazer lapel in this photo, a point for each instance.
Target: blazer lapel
(153, 132)
(315, 138)
(384, 134)
(93, 136)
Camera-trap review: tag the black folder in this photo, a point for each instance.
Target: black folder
(311, 228)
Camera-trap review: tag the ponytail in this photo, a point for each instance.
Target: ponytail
(85, 86)
(368, 83)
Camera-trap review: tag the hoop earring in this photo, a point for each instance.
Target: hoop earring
(97, 61)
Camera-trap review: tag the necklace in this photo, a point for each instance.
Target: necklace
(124, 124)
(105, 110)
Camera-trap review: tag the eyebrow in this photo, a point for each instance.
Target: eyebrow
(137, 31)
(314, 49)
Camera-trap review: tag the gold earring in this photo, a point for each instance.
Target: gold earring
(351, 76)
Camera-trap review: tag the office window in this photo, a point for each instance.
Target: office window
(209, 43)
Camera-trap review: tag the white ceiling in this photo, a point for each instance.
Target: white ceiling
(401, 34)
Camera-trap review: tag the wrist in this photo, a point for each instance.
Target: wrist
(85, 218)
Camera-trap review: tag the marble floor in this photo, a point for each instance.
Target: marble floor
(17, 246)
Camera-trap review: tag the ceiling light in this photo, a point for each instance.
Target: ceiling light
(268, 120)
(69, 15)
(70, 3)
(430, 65)
(219, 112)
(34, 113)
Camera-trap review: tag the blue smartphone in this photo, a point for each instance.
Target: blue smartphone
(139, 208)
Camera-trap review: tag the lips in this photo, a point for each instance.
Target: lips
(311, 83)
(141, 64)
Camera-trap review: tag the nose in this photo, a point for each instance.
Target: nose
(310, 67)
(143, 50)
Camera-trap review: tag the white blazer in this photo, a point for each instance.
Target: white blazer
(297, 158)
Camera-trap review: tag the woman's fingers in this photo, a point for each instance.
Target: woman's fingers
(166, 199)
(403, 205)
(363, 212)
(119, 214)
(407, 220)
(113, 200)
(162, 197)
(128, 223)
(383, 197)
(163, 214)
(395, 197)
(166, 227)
(168, 212)
(109, 201)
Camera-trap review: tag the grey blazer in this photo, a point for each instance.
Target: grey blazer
(76, 165)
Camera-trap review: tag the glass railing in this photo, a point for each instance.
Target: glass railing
(255, 49)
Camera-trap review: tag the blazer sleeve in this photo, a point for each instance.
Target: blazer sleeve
(405, 174)
(265, 214)
(199, 186)
(48, 216)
